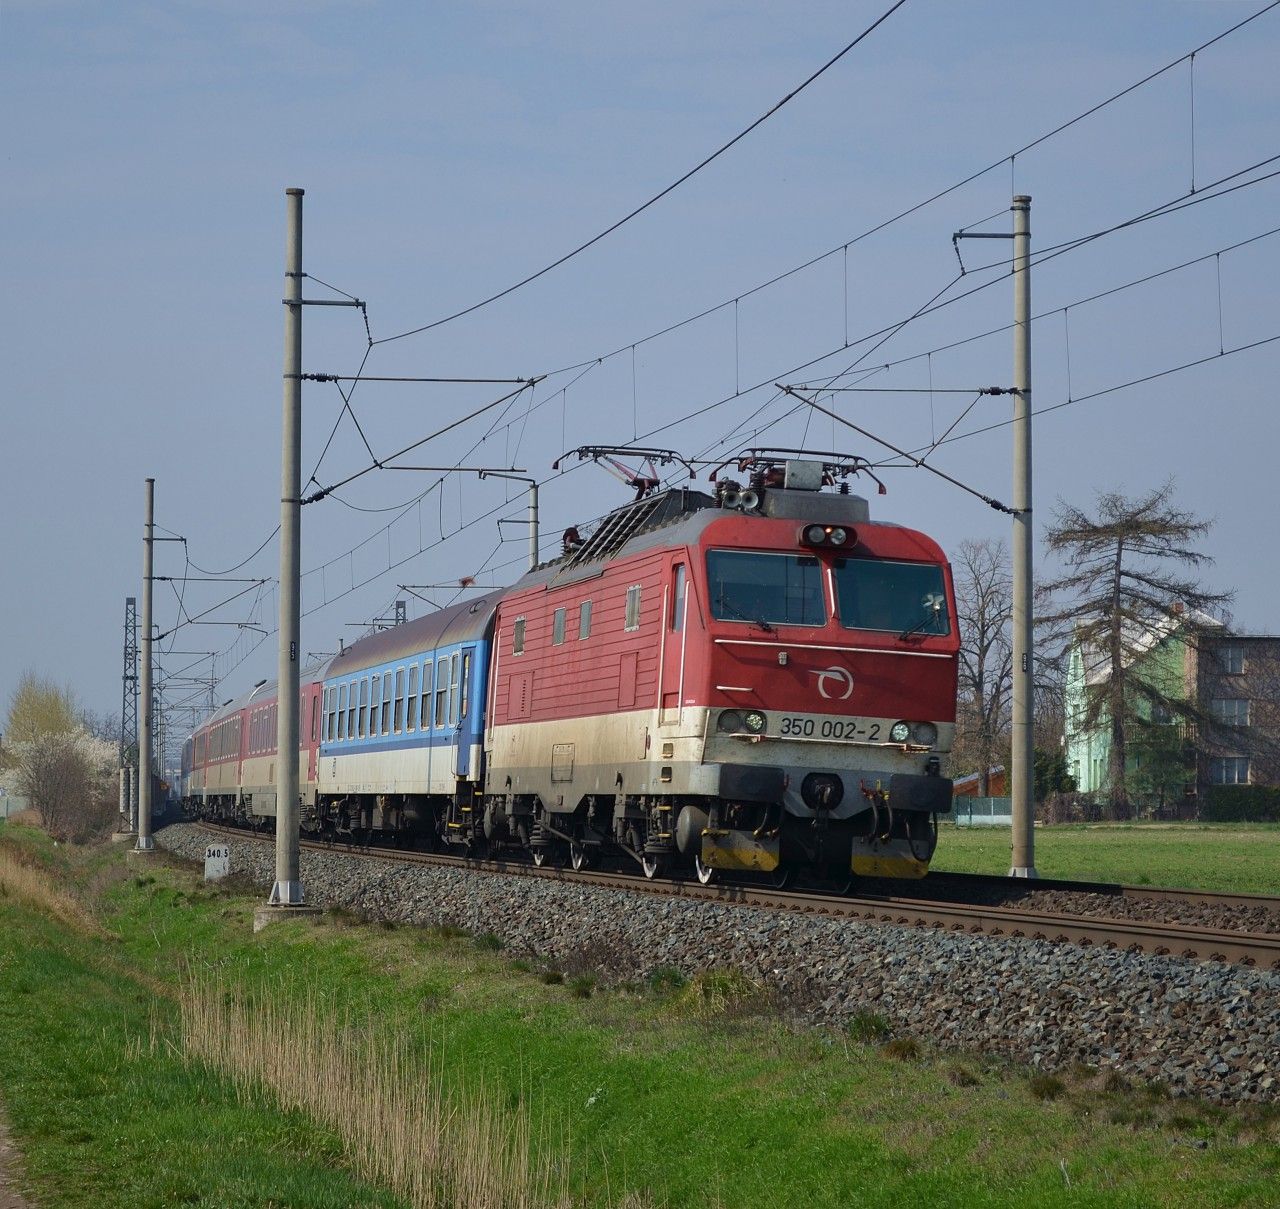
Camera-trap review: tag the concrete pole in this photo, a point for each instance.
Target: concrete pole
(533, 524)
(287, 891)
(145, 842)
(1024, 858)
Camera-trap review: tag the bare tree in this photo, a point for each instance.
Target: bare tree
(984, 602)
(1129, 579)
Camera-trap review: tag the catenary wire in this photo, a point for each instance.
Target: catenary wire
(640, 209)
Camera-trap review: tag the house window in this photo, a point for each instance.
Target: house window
(1230, 711)
(412, 722)
(517, 636)
(1232, 660)
(557, 628)
(1229, 770)
(1161, 714)
(584, 619)
(632, 621)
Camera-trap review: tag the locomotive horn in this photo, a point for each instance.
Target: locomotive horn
(749, 500)
(730, 499)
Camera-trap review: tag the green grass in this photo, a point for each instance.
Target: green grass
(683, 1093)
(1230, 857)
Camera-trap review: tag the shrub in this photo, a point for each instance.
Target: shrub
(1046, 1087)
(718, 993)
(665, 979)
(1242, 804)
(904, 1049)
(489, 941)
(867, 1027)
(552, 977)
(582, 985)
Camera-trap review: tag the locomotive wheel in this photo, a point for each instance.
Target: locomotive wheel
(780, 878)
(706, 874)
(579, 857)
(654, 866)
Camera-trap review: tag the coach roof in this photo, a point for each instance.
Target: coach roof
(458, 623)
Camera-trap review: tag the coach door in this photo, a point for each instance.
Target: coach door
(675, 618)
(461, 708)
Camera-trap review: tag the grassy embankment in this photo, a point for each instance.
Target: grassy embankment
(1239, 857)
(112, 995)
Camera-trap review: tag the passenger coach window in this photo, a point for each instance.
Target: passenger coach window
(386, 704)
(465, 687)
(782, 589)
(364, 706)
(909, 598)
(442, 675)
(426, 696)
(412, 722)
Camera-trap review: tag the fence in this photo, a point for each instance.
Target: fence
(982, 812)
(11, 804)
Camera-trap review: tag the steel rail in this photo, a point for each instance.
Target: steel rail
(1260, 949)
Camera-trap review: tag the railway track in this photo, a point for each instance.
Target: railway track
(1260, 949)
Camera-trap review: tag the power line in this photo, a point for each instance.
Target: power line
(640, 209)
(928, 201)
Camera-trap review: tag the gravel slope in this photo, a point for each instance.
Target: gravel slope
(1202, 1029)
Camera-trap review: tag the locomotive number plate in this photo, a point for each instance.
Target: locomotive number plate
(796, 726)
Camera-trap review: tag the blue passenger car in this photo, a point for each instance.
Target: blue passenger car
(402, 722)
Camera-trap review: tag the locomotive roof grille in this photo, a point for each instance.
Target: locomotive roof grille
(640, 516)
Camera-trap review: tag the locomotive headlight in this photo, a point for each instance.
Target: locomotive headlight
(900, 732)
(730, 721)
(838, 536)
(924, 733)
(815, 535)
(755, 722)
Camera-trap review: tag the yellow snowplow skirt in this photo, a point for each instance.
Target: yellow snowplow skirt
(889, 866)
(740, 850)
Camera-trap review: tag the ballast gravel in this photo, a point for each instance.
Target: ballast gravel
(1203, 1029)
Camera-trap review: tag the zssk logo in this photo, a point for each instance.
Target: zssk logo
(834, 683)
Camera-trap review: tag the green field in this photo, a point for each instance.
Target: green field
(666, 1094)
(1239, 857)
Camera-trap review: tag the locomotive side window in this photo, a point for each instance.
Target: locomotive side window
(557, 627)
(517, 636)
(411, 722)
(783, 589)
(907, 597)
(632, 621)
(677, 599)
(584, 620)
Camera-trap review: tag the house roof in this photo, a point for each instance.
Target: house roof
(1138, 639)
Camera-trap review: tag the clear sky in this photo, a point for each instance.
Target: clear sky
(449, 149)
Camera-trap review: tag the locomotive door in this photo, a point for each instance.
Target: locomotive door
(673, 643)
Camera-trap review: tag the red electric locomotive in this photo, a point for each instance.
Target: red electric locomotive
(761, 680)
